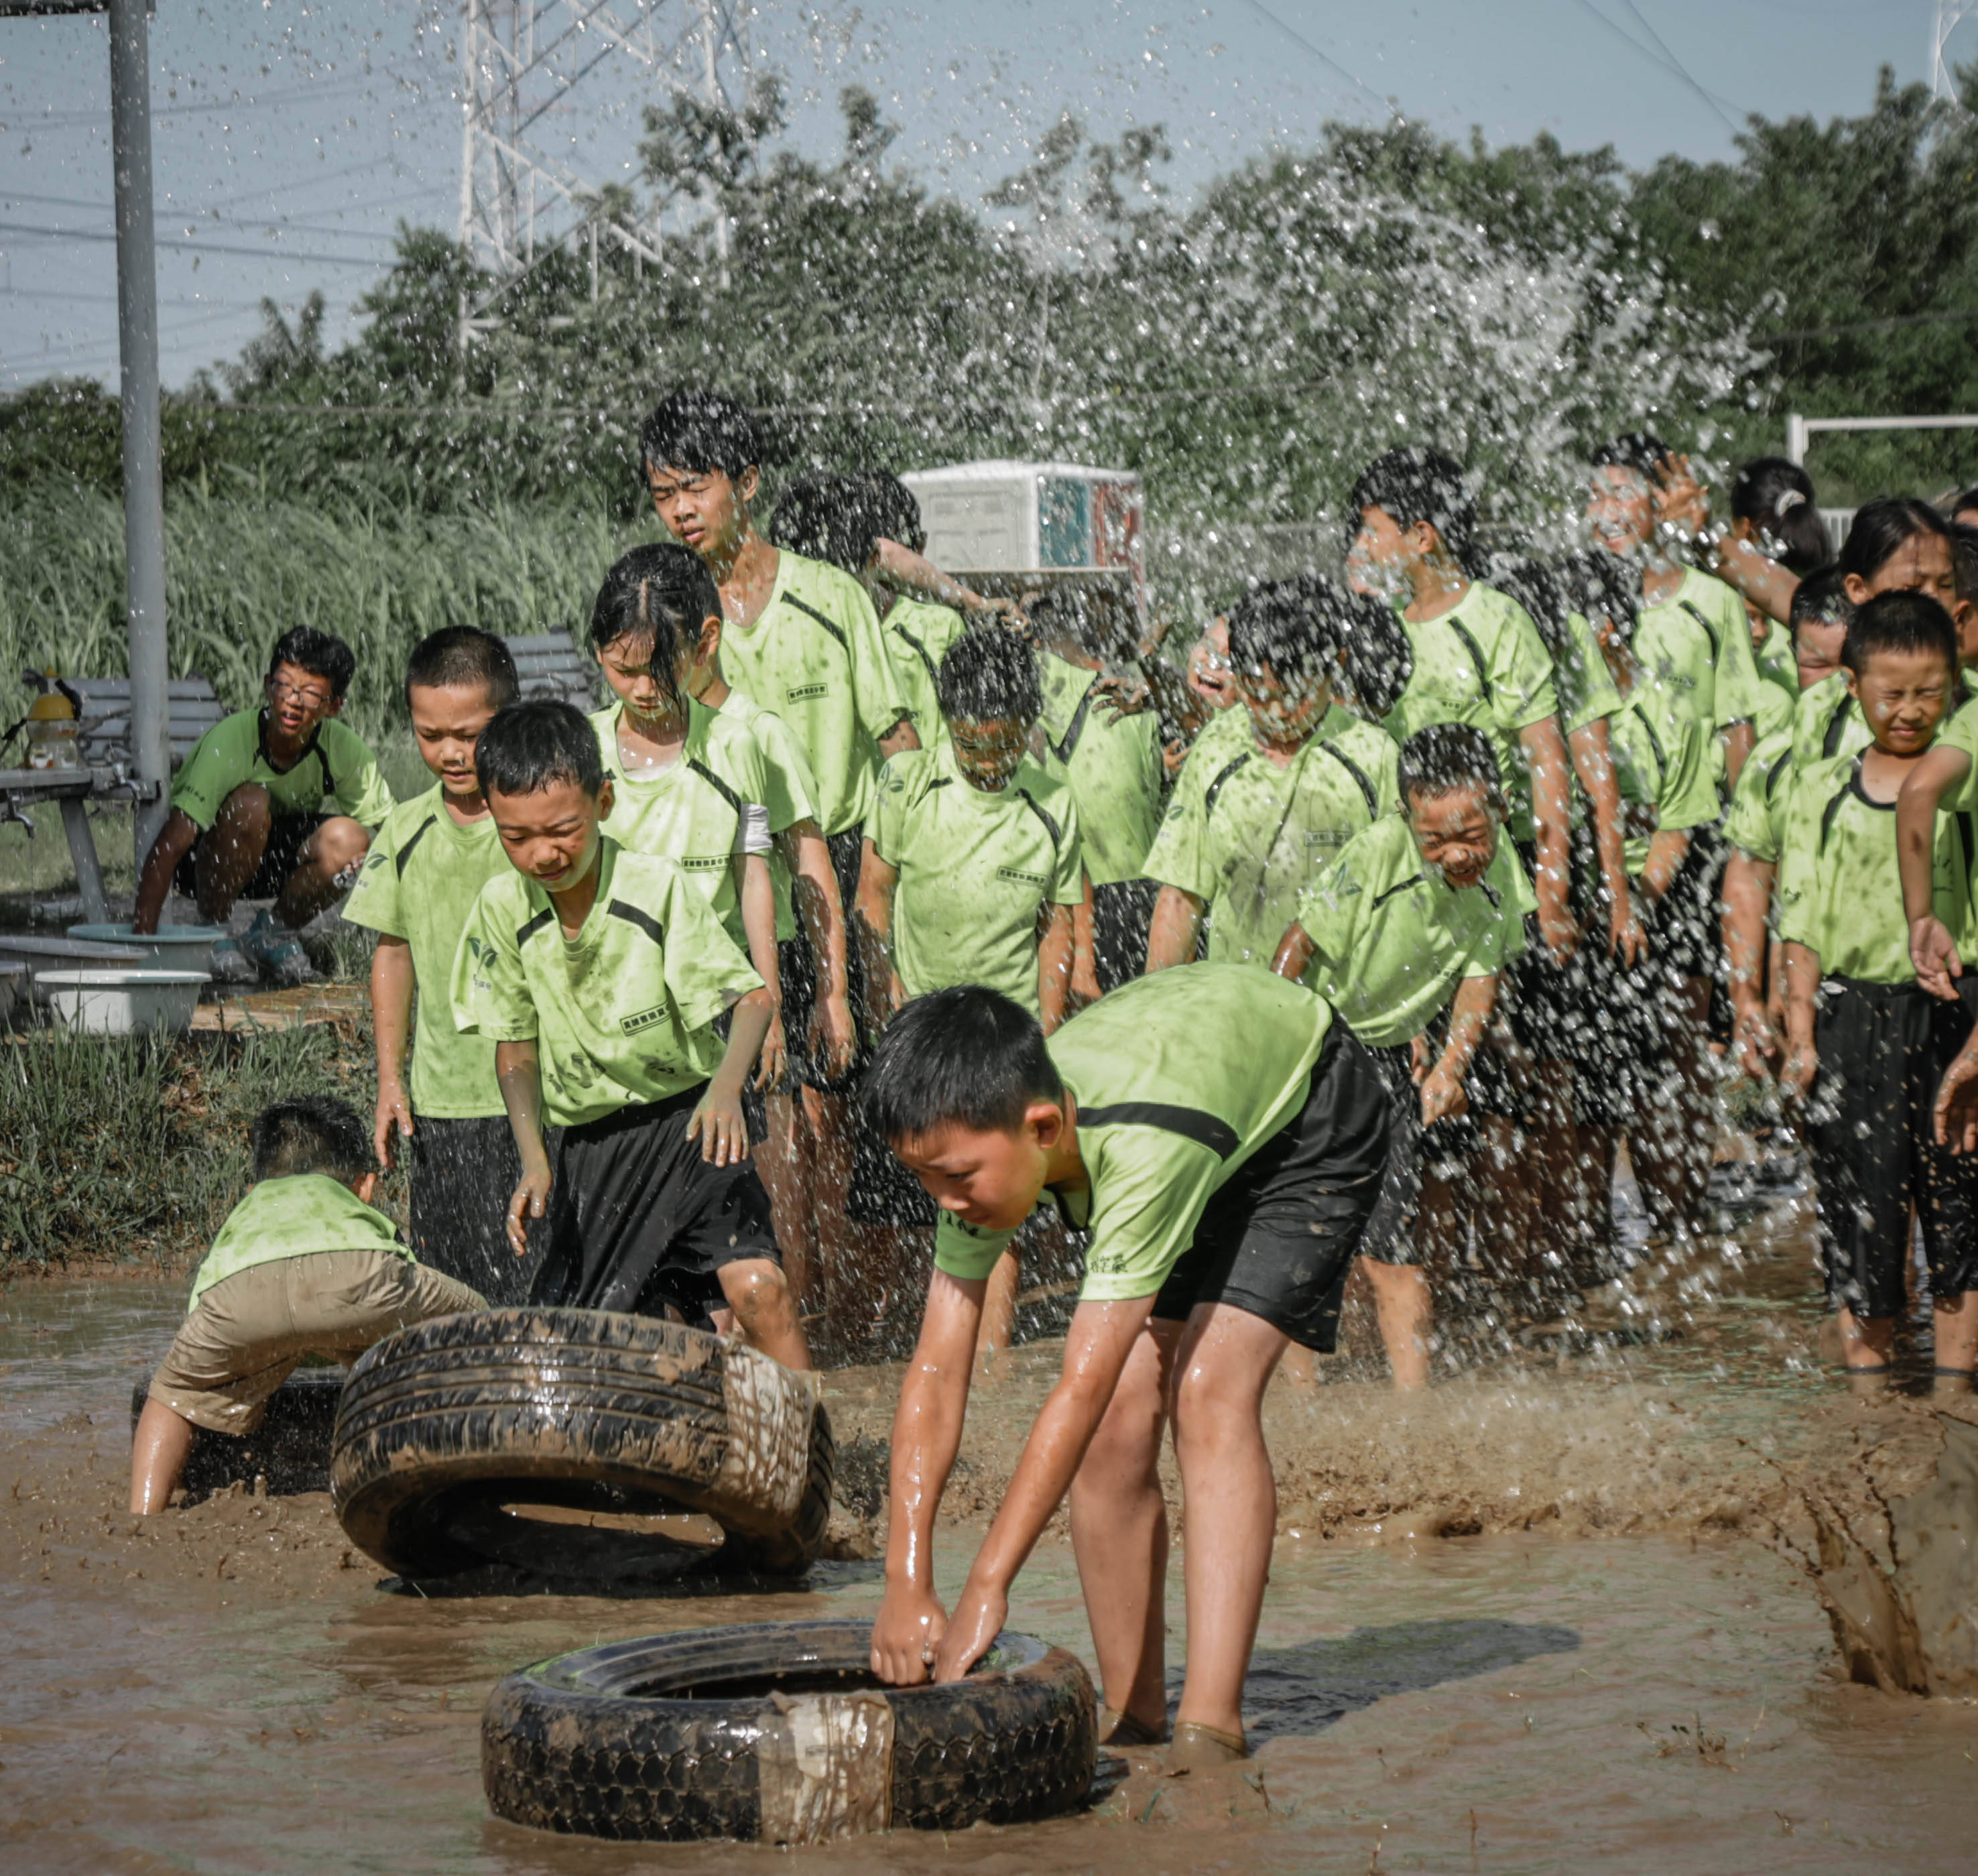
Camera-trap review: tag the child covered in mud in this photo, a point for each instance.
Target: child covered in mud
(1405, 934)
(600, 974)
(302, 1267)
(1866, 1044)
(1222, 1137)
(424, 870)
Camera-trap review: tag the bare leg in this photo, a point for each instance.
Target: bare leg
(783, 1162)
(159, 1449)
(1402, 1306)
(332, 851)
(231, 849)
(1954, 1329)
(1119, 1534)
(759, 1294)
(1221, 1370)
(999, 1308)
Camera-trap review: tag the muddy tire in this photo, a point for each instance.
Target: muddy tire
(610, 1419)
(780, 1734)
(289, 1450)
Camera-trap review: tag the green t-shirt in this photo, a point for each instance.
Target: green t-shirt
(1111, 763)
(623, 1013)
(916, 637)
(817, 658)
(1247, 837)
(419, 882)
(293, 1217)
(234, 751)
(1392, 940)
(975, 870)
(1481, 663)
(694, 813)
(1580, 678)
(1827, 722)
(1778, 681)
(792, 791)
(1840, 887)
(1698, 643)
(1756, 822)
(1664, 768)
(1178, 1078)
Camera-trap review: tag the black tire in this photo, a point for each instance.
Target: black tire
(444, 1423)
(780, 1734)
(289, 1450)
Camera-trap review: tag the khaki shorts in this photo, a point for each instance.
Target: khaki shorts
(249, 1332)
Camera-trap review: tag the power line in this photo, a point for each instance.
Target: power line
(1325, 57)
(1681, 68)
(195, 248)
(1628, 40)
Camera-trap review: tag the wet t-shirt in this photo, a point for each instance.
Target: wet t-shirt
(1663, 768)
(1111, 763)
(1178, 1078)
(419, 883)
(1826, 722)
(1778, 681)
(975, 868)
(1247, 837)
(817, 658)
(791, 792)
(1697, 643)
(917, 636)
(1756, 822)
(1482, 663)
(1391, 939)
(1580, 678)
(622, 1014)
(336, 764)
(296, 1216)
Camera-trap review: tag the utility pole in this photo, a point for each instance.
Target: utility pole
(717, 100)
(1943, 80)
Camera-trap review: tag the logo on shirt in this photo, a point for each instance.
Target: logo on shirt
(375, 861)
(807, 694)
(644, 1020)
(1106, 1264)
(1019, 877)
(702, 862)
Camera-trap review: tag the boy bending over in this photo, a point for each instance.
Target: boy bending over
(1222, 1140)
(302, 1267)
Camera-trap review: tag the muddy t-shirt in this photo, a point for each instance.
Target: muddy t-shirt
(1248, 837)
(975, 870)
(1778, 681)
(293, 1217)
(817, 658)
(792, 792)
(1664, 768)
(419, 882)
(1178, 1078)
(1826, 722)
(1756, 822)
(1111, 763)
(336, 763)
(1697, 644)
(1391, 939)
(621, 1014)
(918, 635)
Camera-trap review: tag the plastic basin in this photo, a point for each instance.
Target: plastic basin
(107, 1002)
(171, 948)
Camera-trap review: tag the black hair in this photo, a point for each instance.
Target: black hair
(528, 747)
(1642, 451)
(1964, 560)
(1439, 759)
(989, 675)
(1600, 585)
(1882, 528)
(1775, 495)
(320, 653)
(1959, 504)
(699, 430)
(963, 1056)
(1379, 660)
(1820, 598)
(310, 1133)
(1295, 629)
(1540, 591)
(462, 657)
(823, 519)
(659, 592)
(892, 510)
(1417, 484)
(1903, 621)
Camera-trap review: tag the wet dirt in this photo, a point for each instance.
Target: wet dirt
(1538, 1620)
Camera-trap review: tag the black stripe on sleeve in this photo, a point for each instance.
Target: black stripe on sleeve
(1702, 618)
(405, 852)
(1413, 879)
(1477, 658)
(644, 921)
(714, 781)
(1191, 1123)
(1215, 787)
(1830, 744)
(830, 625)
(1050, 826)
(1358, 774)
(921, 650)
(525, 933)
(1077, 729)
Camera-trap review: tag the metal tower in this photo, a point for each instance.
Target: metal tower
(1943, 80)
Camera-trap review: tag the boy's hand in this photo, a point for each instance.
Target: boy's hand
(775, 1057)
(1933, 952)
(1754, 1042)
(1557, 926)
(393, 1121)
(832, 1038)
(906, 1635)
(1627, 943)
(972, 1632)
(1442, 1095)
(529, 1199)
(717, 1124)
(1956, 1114)
(1802, 1064)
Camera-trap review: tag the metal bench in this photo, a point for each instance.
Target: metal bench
(549, 665)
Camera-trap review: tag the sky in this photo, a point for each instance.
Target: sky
(290, 140)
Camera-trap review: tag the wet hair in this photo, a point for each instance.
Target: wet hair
(989, 675)
(1440, 759)
(1601, 585)
(1775, 495)
(1821, 599)
(822, 518)
(1542, 593)
(659, 593)
(891, 510)
(319, 653)
(1417, 484)
(1964, 560)
(1641, 451)
(529, 747)
(310, 1133)
(1882, 528)
(1900, 622)
(463, 657)
(1967, 503)
(964, 1057)
(698, 431)
(1295, 629)
(1380, 660)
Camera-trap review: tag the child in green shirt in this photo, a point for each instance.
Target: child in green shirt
(599, 974)
(302, 1266)
(1866, 1044)
(425, 870)
(246, 819)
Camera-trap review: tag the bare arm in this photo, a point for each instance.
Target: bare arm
(872, 913)
(914, 573)
(1469, 1016)
(1176, 923)
(176, 839)
(517, 1072)
(902, 737)
(758, 894)
(1667, 851)
(814, 887)
(1767, 584)
(1084, 950)
(1295, 953)
(391, 983)
(1545, 757)
(1932, 950)
(1592, 755)
(1739, 740)
(1054, 950)
(1802, 988)
(1747, 905)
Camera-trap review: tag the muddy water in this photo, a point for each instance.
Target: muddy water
(1531, 1623)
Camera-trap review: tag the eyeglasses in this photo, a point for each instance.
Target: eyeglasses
(309, 696)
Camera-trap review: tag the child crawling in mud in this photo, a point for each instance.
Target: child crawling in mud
(303, 1265)
(1221, 1139)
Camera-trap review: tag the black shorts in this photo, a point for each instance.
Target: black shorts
(639, 1220)
(288, 834)
(796, 965)
(1278, 1239)
(1121, 914)
(464, 1172)
(1884, 1048)
(1390, 1235)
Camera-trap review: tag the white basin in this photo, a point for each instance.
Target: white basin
(172, 948)
(120, 1002)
